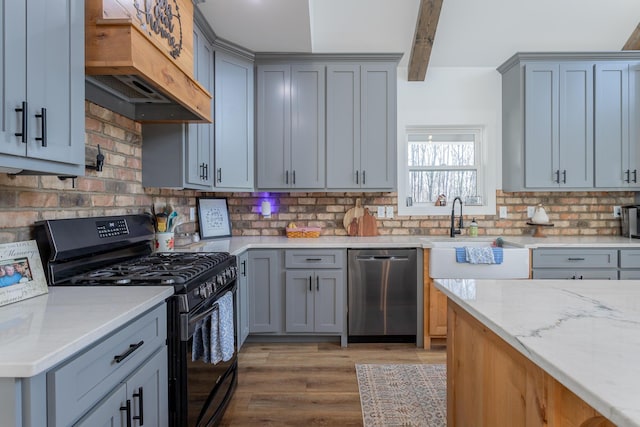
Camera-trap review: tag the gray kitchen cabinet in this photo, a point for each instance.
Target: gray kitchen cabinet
(181, 155)
(233, 123)
(144, 394)
(42, 123)
(616, 129)
(575, 263)
(569, 121)
(361, 126)
(315, 291)
(630, 264)
(242, 299)
(265, 291)
(290, 126)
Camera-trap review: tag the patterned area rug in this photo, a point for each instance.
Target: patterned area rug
(403, 395)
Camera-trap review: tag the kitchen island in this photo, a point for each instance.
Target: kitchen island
(542, 352)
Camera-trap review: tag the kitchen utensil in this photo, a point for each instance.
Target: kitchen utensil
(171, 221)
(367, 225)
(355, 212)
(161, 220)
(353, 227)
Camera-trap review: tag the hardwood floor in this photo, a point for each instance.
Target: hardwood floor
(309, 384)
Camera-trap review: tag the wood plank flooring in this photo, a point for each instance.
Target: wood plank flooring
(309, 384)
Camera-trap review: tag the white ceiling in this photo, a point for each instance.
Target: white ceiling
(470, 32)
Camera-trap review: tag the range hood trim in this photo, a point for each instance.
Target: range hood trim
(138, 56)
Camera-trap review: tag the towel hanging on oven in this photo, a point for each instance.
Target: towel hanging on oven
(213, 338)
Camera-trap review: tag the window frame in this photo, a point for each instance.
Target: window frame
(483, 175)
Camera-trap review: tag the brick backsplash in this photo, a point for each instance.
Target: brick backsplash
(118, 190)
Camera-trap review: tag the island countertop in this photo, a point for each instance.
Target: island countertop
(40, 332)
(585, 334)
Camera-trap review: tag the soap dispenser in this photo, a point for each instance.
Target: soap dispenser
(473, 228)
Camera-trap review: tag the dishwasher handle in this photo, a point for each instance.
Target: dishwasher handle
(382, 258)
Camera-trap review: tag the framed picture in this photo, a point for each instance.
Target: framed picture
(21, 273)
(213, 215)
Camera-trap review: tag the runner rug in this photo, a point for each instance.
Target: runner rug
(403, 394)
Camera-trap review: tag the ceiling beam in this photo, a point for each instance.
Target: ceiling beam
(634, 40)
(428, 16)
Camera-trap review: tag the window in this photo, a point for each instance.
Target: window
(441, 163)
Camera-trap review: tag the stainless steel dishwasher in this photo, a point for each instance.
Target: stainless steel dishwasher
(382, 295)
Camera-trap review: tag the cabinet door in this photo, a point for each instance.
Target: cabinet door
(579, 274)
(55, 80)
(343, 126)
(199, 144)
(265, 291)
(299, 292)
(378, 125)
(437, 312)
(109, 412)
(634, 128)
(274, 126)
(541, 129)
(329, 303)
(242, 310)
(233, 122)
(147, 389)
(13, 75)
(307, 126)
(576, 125)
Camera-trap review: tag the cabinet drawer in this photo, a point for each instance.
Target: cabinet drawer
(586, 274)
(314, 258)
(630, 258)
(76, 386)
(629, 274)
(575, 258)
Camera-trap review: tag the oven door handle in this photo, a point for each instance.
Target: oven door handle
(187, 320)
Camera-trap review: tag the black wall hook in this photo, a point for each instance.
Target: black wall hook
(99, 162)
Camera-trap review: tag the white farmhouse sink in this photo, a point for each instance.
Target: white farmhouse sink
(443, 264)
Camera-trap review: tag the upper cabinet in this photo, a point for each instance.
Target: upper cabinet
(566, 121)
(42, 76)
(234, 124)
(326, 122)
(290, 131)
(361, 126)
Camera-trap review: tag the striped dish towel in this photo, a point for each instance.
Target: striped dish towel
(498, 255)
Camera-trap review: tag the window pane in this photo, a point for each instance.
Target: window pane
(425, 186)
(437, 152)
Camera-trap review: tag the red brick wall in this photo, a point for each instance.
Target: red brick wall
(118, 190)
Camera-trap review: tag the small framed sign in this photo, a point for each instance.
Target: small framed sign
(213, 215)
(21, 273)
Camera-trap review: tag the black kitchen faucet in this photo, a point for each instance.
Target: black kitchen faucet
(453, 230)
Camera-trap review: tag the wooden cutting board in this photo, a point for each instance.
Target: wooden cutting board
(368, 225)
(352, 213)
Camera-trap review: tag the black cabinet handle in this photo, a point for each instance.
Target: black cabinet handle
(139, 417)
(310, 282)
(364, 177)
(244, 268)
(557, 180)
(219, 174)
(206, 172)
(313, 259)
(127, 409)
(294, 178)
(43, 126)
(573, 277)
(23, 125)
(635, 176)
(626, 176)
(564, 176)
(357, 176)
(575, 259)
(318, 283)
(202, 171)
(286, 177)
(133, 347)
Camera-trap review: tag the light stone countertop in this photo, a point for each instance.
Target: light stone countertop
(237, 245)
(38, 333)
(584, 333)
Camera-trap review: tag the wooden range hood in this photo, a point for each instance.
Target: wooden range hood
(139, 60)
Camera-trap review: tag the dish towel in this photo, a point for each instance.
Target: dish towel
(213, 337)
(479, 255)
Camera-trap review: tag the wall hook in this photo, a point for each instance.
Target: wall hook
(99, 162)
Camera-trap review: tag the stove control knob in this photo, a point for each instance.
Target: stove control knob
(202, 291)
(220, 279)
(210, 288)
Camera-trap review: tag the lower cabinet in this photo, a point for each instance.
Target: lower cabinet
(265, 291)
(575, 263)
(242, 299)
(314, 301)
(435, 307)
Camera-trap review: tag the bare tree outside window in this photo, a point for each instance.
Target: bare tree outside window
(443, 161)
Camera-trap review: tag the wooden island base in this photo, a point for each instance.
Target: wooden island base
(490, 383)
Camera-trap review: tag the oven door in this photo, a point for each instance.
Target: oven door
(209, 387)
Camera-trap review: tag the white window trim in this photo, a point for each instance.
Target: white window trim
(486, 178)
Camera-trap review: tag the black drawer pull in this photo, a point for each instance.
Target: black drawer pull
(286, 177)
(318, 283)
(140, 417)
(364, 178)
(244, 268)
(575, 259)
(313, 259)
(310, 283)
(219, 174)
(43, 126)
(133, 347)
(127, 409)
(23, 131)
(626, 176)
(357, 172)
